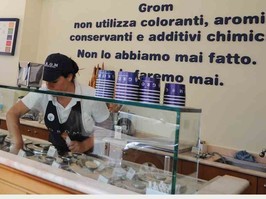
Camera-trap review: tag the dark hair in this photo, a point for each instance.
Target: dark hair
(75, 68)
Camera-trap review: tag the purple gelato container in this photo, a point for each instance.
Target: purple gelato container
(149, 83)
(125, 77)
(106, 75)
(174, 89)
(175, 94)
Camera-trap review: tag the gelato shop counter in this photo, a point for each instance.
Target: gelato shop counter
(93, 174)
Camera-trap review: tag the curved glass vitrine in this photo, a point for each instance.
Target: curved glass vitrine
(137, 149)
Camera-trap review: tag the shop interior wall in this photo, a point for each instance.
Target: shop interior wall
(233, 112)
(31, 31)
(8, 64)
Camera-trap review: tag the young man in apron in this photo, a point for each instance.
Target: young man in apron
(72, 117)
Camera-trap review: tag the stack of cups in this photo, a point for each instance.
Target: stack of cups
(149, 90)
(175, 94)
(127, 86)
(105, 83)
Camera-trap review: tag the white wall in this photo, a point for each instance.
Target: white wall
(9, 64)
(233, 114)
(31, 31)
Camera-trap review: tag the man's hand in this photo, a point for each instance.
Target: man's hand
(114, 108)
(76, 147)
(81, 147)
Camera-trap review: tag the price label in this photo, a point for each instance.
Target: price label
(102, 179)
(118, 132)
(55, 164)
(130, 174)
(52, 152)
(118, 135)
(21, 153)
(150, 191)
(118, 172)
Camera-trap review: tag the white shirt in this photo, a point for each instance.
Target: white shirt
(91, 110)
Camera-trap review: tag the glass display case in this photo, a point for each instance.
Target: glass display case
(137, 148)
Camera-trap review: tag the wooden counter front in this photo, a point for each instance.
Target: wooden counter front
(13, 181)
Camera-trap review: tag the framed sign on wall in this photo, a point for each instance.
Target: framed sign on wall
(8, 35)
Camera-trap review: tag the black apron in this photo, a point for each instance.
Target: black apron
(73, 126)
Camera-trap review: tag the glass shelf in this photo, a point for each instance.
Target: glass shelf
(107, 100)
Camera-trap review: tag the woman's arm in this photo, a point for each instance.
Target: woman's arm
(13, 122)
